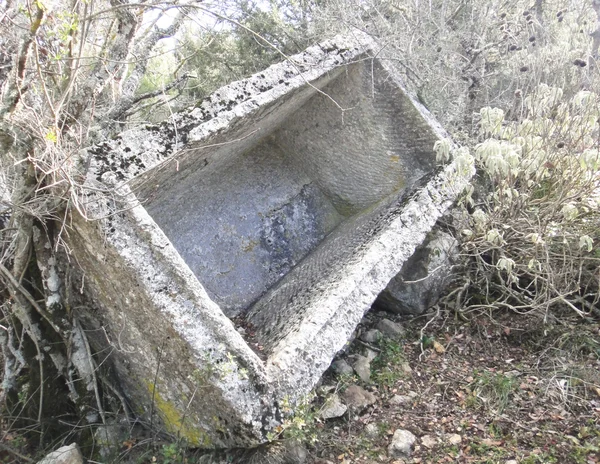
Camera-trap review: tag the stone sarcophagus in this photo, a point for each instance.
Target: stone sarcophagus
(243, 240)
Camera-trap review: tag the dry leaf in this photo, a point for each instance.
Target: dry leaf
(490, 442)
(438, 347)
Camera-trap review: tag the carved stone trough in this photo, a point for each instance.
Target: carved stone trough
(245, 238)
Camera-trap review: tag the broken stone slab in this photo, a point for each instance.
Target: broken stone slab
(283, 204)
(64, 455)
(423, 277)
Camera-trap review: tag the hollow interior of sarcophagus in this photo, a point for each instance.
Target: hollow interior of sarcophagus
(244, 217)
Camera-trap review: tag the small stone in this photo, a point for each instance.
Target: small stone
(406, 368)
(341, 367)
(512, 461)
(371, 336)
(296, 453)
(370, 354)
(428, 441)
(455, 439)
(65, 455)
(400, 399)
(357, 398)
(371, 430)
(362, 366)
(401, 444)
(390, 329)
(333, 407)
(109, 438)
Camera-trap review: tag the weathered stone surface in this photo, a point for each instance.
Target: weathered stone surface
(402, 443)
(428, 441)
(423, 277)
(109, 438)
(65, 455)
(333, 407)
(371, 336)
(341, 367)
(289, 199)
(390, 329)
(454, 439)
(362, 367)
(403, 399)
(357, 398)
(370, 354)
(405, 366)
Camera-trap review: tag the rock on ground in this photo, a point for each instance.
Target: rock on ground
(371, 336)
(371, 430)
(428, 441)
(390, 329)
(362, 366)
(403, 399)
(423, 277)
(64, 455)
(357, 398)
(454, 439)
(333, 407)
(402, 443)
(341, 367)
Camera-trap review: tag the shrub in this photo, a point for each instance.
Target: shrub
(533, 239)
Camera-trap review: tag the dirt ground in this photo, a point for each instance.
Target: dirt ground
(484, 390)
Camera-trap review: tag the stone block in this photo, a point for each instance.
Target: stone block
(418, 286)
(281, 205)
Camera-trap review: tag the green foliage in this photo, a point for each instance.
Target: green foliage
(387, 367)
(493, 389)
(172, 454)
(244, 40)
(300, 424)
(533, 238)
(459, 56)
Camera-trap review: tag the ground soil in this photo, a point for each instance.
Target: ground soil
(488, 390)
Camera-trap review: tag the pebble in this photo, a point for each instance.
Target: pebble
(371, 336)
(390, 329)
(402, 443)
(406, 368)
(362, 366)
(333, 407)
(341, 367)
(428, 441)
(400, 399)
(357, 398)
(455, 439)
